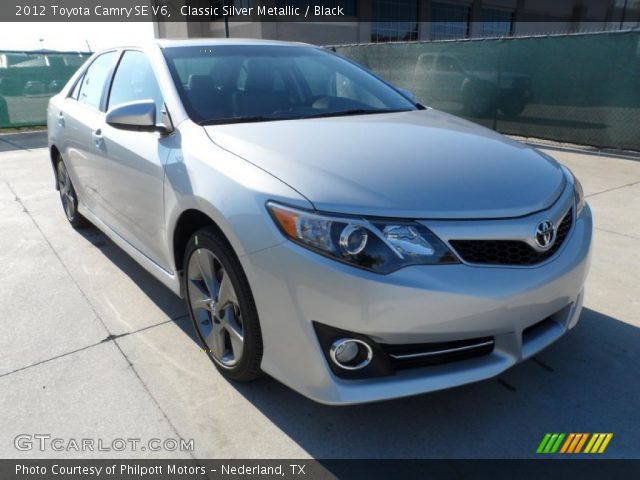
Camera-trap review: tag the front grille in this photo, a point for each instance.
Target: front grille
(426, 354)
(509, 252)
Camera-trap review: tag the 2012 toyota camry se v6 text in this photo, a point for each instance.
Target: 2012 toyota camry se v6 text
(322, 226)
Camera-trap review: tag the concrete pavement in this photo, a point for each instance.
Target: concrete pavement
(91, 346)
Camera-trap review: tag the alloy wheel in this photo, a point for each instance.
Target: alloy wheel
(215, 308)
(67, 195)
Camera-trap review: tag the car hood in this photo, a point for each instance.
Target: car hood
(420, 164)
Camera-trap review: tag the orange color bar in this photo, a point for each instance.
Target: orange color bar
(581, 443)
(575, 442)
(567, 442)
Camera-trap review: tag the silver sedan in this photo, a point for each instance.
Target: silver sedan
(322, 226)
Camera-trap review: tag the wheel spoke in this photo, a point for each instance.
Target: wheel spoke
(226, 294)
(216, 341)
(199, 295)
(63, 181)
(207, 271)
(70, 203)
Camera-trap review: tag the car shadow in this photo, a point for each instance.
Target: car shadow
(585, 382)
(164, 299)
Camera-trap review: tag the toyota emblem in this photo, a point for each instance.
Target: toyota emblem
(545, 234)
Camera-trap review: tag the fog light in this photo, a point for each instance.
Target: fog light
(345, 352)
(353, 239)
(351, 353)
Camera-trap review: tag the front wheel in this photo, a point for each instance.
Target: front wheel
(221, 306)
(69, 197)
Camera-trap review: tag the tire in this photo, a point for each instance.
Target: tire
(221, 306)
(68, 196)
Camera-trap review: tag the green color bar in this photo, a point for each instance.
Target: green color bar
(558, 442)
(550, 443)
(543, 443)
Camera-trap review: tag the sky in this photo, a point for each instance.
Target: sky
(72, 35)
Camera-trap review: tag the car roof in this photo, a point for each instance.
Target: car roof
(166, 43)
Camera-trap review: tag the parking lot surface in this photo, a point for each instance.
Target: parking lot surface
(91, 346)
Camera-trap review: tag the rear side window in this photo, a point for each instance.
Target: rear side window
(94, 80)
(134, 80)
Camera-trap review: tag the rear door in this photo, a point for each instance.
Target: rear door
(133, 181)
(78, 125)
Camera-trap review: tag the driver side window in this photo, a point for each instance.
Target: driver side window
(93, 83)
(134, 80)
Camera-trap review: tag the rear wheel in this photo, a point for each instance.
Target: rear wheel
(69, 197)
(221, 306)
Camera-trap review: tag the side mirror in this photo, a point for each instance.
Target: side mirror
(408, 94)
(139, 115)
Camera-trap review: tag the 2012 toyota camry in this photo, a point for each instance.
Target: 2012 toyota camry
(321, 225)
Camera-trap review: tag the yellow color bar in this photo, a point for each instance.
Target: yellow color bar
(607, 439)
(594, 437)
(596, 445)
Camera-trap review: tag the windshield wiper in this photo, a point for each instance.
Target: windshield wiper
(263, 118)
(246, 119)
(354, 111)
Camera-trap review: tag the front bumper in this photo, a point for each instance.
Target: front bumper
(294, 287)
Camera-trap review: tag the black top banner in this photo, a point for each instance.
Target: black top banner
(181, 11)
(298, 11)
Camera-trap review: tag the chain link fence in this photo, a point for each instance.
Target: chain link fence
(582, 88)
(29, 79)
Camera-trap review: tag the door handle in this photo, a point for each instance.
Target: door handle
(97, 137)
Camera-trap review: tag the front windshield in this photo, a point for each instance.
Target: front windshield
(236, 83)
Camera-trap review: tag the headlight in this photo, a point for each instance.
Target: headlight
(381, 246)
(578, 194)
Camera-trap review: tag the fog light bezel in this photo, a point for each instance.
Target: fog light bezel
(378, 366)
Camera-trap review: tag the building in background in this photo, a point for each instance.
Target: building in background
(407, 20)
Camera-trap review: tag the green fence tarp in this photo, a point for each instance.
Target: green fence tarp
(28, 80)
(582, 89)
